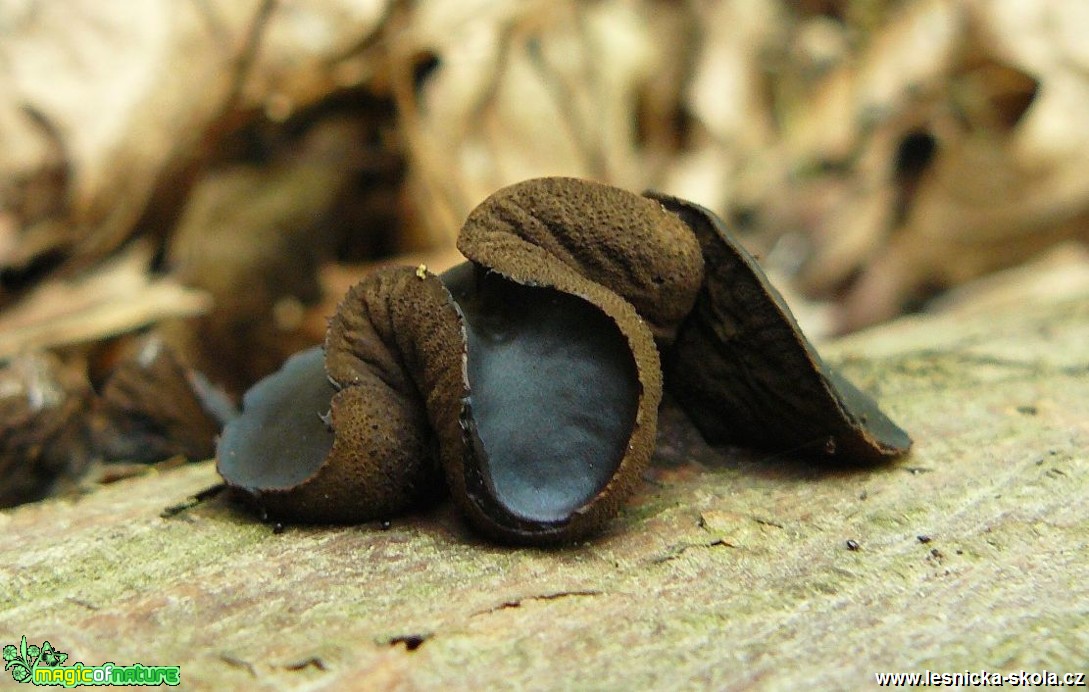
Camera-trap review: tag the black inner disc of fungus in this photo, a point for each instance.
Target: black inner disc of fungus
(280, 439)
(553, 395)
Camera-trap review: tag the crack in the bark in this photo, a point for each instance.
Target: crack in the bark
(308, 662)
(679, 549)
(236, 662)
(82, 603)
(414, 641)
(768, 522)
(517, 603)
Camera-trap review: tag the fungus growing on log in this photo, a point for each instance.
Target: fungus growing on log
(281, 438)
(570, 284)
(341, 437)
(526, 381)
(745, 373)
(559, 410)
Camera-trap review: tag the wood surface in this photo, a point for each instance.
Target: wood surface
(729, 570)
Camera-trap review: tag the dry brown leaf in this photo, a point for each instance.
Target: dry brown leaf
(117, 297)
(1008, 180)
(788, 117)
(131, 98)
(525, 89)
(150, 408)
(42, 438)
(950, 146)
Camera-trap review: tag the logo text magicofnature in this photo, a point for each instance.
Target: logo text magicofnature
(43, 665)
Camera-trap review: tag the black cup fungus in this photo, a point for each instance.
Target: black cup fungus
(526, 381)
(744, 372)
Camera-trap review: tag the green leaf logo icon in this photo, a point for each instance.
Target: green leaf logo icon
(22, 660)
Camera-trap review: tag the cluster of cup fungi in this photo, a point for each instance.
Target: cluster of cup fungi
(525, 382)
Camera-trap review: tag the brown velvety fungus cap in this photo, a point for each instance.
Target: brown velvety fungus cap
(745, 373)
(348, 446)
(616, 238)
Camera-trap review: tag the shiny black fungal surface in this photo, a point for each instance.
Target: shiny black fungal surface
(281, 439)
(553, 395)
